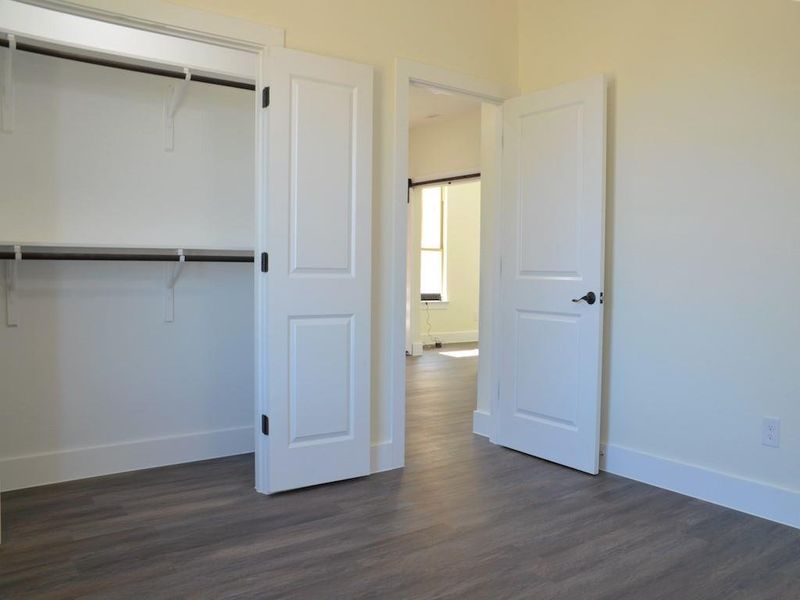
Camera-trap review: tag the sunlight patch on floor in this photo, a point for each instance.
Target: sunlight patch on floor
(460, 353)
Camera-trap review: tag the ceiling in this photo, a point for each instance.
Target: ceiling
(427, 105)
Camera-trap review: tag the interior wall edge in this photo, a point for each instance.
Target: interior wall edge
(382, 457)
(451, 337)
(482, 423)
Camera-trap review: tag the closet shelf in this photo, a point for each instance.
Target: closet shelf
(127, 66)
(32, 252)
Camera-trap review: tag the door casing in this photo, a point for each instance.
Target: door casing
(391, 450)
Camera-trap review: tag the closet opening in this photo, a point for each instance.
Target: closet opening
(127, 244)
(92, 59)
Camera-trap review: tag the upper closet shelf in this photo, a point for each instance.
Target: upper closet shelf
(22, 252)
(139, 67)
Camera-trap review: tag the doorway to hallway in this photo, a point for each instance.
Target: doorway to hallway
(441, 388)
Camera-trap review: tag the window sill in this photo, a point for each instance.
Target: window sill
(434, 304)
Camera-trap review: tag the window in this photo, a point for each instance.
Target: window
(432, 271)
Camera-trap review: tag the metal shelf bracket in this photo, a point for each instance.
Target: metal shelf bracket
(11, 287)
(172, 273)
(175, 94)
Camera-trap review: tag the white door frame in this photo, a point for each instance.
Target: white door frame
(171, 19)
(34, 19)
(493, 95)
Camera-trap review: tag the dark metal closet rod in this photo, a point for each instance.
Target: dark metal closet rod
(104, 62)
(224, 258)
(412, 183)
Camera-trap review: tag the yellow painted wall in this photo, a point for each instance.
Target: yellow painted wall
(703, 237)
(448, 147)
(472, 36)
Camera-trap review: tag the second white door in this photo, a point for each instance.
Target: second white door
(551, 293)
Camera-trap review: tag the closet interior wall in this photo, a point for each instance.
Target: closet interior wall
(92, 378)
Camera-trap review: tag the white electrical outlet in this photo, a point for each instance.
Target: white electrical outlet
(771, 432)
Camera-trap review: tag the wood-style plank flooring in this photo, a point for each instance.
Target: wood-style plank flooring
(464, 519)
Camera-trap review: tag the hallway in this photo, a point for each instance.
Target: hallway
(441, 393)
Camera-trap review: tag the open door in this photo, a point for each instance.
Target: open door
(551, 297)
(314, 299)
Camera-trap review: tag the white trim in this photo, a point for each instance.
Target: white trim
(490, 258)
(434, 304)
(109, 39)
(482, 423)
(746, 495)
(381, 457)
(450, 337)
(55, 467)
(181, 21)
(407, 72)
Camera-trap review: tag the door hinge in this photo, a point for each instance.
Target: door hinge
(265, 262)
(265, 424)
(265, 97)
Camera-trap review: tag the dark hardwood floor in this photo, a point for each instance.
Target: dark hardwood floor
(464, 519)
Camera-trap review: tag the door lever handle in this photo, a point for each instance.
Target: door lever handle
(589, 298)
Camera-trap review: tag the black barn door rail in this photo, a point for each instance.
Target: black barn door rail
(448, 180)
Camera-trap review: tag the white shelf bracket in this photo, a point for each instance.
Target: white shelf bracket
(8, 100)
(172, 102)
(11, 287)
(172, 273)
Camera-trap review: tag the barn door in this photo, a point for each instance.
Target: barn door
(552, 274)
(314, 299)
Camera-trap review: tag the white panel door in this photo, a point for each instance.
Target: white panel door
(315, 298)
(553, 208)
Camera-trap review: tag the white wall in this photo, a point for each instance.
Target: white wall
(86, 162)
(93, 380)
(449, 146)
(703, 224)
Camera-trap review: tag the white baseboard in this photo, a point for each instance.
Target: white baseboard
(451, 337)
(745, 495)
(54, 467)
(381, 457)
(417, 349)
(482, 423)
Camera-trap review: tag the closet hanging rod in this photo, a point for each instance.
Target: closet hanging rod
(412, 183)
(114, 256)
(115, 64)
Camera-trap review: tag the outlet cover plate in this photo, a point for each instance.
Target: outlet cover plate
(771, 432)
